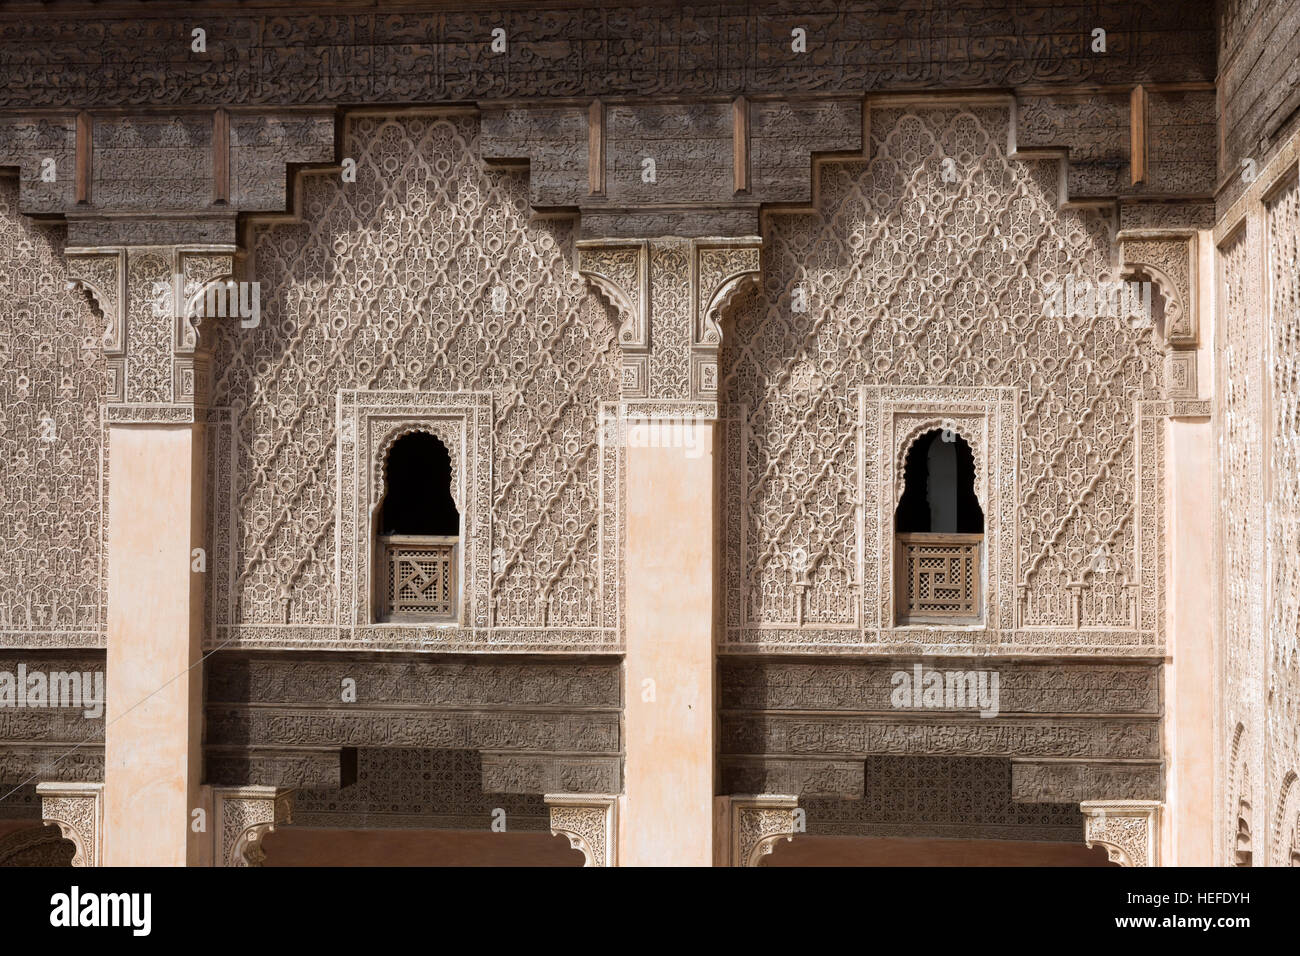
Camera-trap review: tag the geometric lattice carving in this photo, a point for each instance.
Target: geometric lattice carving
(590, 821)
(244, 816)
(949, 289)
(445, 285)
(940, 577)
(420, 575)
(1128, 829)
(77, 809)
(51, 587)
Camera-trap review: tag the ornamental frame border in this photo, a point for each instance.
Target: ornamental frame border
(988, 417)
(368, 421)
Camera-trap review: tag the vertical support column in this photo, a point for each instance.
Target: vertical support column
(670, 294)
(671, 582)
(154, 715)
(1188, 835)
(154, 468)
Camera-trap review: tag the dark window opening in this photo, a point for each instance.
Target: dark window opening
(939, 488)
(417, 498)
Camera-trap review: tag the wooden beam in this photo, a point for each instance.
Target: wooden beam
(1137, 110)
(84, 152)
(596, 148)
(740, 143)
(220, 157)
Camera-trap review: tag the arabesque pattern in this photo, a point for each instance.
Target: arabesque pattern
(916, 273)
(51, 381)
(424, 275)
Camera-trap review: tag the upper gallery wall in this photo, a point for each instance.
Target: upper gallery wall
(924, 290)
(426, 275)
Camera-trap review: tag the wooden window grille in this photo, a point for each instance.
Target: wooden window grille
(939, 578)
(419, 577)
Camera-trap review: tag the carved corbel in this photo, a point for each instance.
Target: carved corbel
(619, 270)
(77, 809)
(205, 292)
(101, 275)
(758, 823)
(724, 270)
(1128, 829)
(590, 822)
(244, 816)
(1168, 256)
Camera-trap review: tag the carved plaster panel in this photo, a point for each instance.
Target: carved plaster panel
(758, 822)
(244, 816)
(590, 822)
(1128, 829)
(77, 809)
(946, 299)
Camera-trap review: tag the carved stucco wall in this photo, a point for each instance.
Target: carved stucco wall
(926, 301)
(387, 284)
(51, 383)
(1258, 427)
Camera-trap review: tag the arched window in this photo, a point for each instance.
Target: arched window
(418, 533)
(939, 527)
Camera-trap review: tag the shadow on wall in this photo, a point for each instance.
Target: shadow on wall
(290, 846)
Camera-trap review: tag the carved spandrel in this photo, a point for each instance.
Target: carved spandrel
(1128, 829)
(590, 822)
(244, 816)
(77, 809)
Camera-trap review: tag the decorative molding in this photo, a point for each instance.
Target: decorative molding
(1128, 829)
(77, 809)
(590, 822)
(758, 823)
(244, 816)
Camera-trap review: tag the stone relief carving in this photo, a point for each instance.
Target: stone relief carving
(692, 284)
(77, 809)
(1168, 256)
(1128, 829)
(1256, 420)
(590, 822)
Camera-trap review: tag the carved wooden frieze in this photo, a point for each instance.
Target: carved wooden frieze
(1024, 687)
(1039, 781)
(329, 55)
